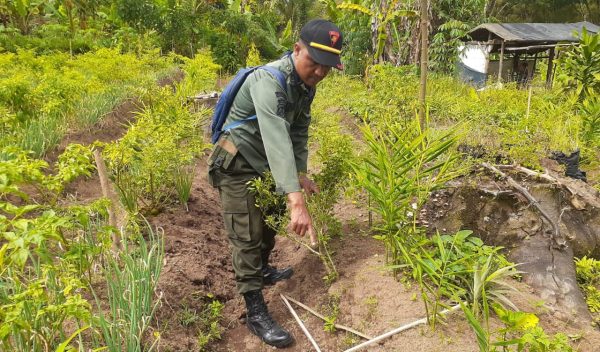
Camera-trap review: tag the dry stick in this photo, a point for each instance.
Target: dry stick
(539, 175)
(530, 172)
(556, 237)
(291, 237)
(529, 101)
(107, 193)
(310, 338)
(395, 331)
(338, 326)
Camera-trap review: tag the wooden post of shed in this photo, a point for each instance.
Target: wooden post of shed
(501, 61)
(550, 68)
(487, 58)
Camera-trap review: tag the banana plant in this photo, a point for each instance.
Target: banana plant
(21, 12)
(580, 66)
(382, 14)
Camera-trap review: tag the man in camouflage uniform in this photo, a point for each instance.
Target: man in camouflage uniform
(275, 141)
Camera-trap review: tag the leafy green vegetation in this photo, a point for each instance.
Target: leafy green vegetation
(401, 166)
(460, 268)
(42, 97)
(131, 279)
(588, 278)
(48, 250)
(521, 332)
(495, 121)
(209, 318)
(149, 163)
(580, 76)
(448, 268)
(333, 311)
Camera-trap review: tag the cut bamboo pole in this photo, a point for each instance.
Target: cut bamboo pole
(108, 192)
(304, 329)
(337, 326)
(395, 331)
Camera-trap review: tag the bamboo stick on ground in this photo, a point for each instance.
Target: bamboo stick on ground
(395, 331)
(337, 326)
(310, 338)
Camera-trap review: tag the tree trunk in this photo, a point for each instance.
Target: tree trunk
(424, 59)
(501, 216)
(489, 7)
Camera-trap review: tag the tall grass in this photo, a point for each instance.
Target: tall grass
(41, 134)
(93, 107)
(184, 177)
(131, 280)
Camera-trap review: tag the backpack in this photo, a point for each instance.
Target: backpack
(226, 100)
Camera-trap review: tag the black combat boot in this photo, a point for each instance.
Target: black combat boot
(261, 324)
(271, 275)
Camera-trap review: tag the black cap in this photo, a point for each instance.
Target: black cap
(323, 40)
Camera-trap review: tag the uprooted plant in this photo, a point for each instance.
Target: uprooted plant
(320, 206)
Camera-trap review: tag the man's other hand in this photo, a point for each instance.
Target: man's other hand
(300, 220)
(308, 185)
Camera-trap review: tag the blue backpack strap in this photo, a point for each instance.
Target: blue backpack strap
(225, 101)
(280, 78)
(238, 123)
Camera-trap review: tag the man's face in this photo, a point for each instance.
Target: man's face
(309, 71)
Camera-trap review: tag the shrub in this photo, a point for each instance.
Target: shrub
(40, 94)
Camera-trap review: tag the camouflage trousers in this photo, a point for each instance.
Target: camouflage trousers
(250, 238)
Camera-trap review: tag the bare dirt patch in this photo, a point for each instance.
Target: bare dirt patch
(370, 299)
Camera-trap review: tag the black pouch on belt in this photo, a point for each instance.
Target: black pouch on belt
(221, 157)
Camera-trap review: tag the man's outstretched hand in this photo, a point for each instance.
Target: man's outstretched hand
(300, 220)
